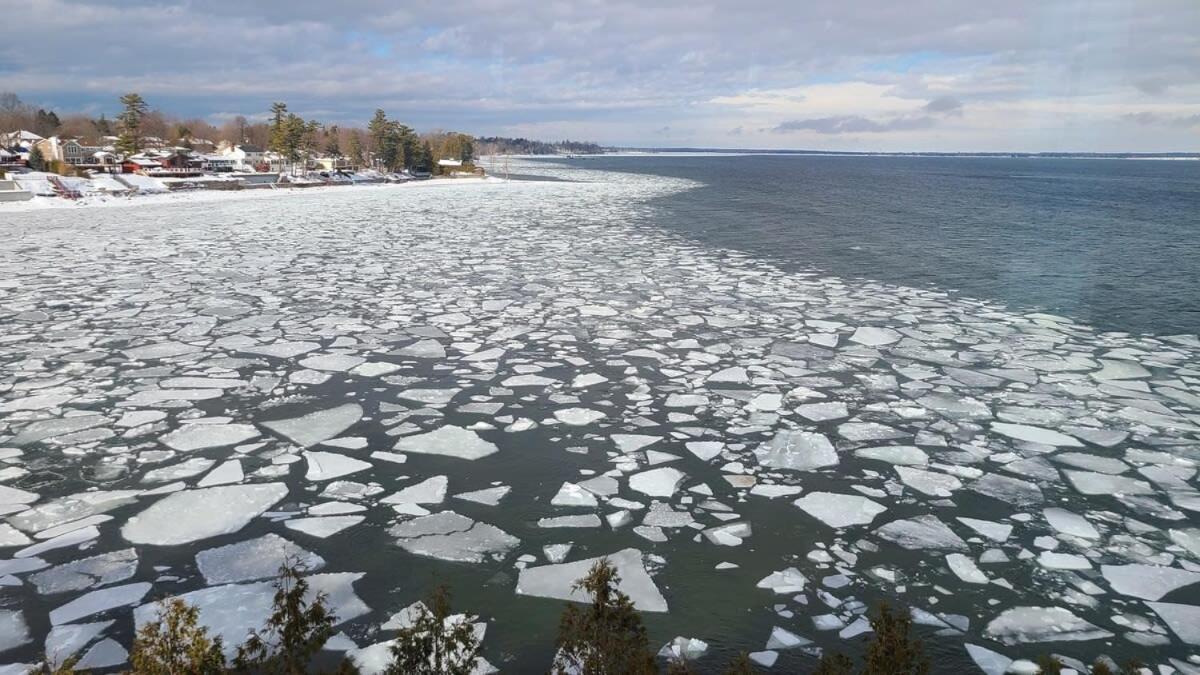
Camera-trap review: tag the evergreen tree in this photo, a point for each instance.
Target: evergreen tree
(279, 129)
(130, 122)
(606, 637)
(435, 643)
(45, 122)
(426, 161)
(37, 161)
(386, 141)
(176, 643)
(893, 651)
(356, 148)
(332, 146)
(102, 126)
(295, 632)
(183, 136)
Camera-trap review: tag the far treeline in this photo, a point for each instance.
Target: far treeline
(384, 141)
(604, 636)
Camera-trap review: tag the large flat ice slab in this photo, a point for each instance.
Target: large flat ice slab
(192, 515)
(318, 426)
(448, 441)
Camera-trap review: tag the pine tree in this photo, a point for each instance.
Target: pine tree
(101, 125)
(295, 631)
(176, 643)
(435, 643)
(356, 148)
(37, 161)
(606, 637)
(893, 651)
(278, 142)
(130, 122)
(332, 146)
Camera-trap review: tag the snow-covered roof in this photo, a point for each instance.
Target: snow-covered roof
(449, 162)
(20, 135)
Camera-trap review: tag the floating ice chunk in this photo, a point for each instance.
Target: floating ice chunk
(909, 455)
(282, 349)
(931, 483)
(374, 369)
(330, 465)
(556, 553)
(558, 581)
(1148, 582)
(449, 536)
(11, 536)
(766, 659)
(487, 496)
(323, 526)
(1091, 462)
(872, 336)
(588, 520)
(40, 431)
(1030, 434)
(686, 401)
(821, 412)
(423, 349)
(628, 443)
(735, 374)
(1183, 620)
(9, 495)
(77, 575)
(797, 450)
(528, 381)
(202, 436)
(990, 662)
(162, 350)
(233, 610)
(1070, 523)
(14, 632)
(1007, 489)
(70, 508)
(1089, 483)
(730, 534)
(571, 494)
(192, 515)
(338, 363)
(315, 427)
(868, 431)
(104, 654)
(784, 582)
(956, 406)
(998, 532)
(785, 639)
(964, 568)
(252, 559)
(578, 417)
(1188, 538)
(661, 482)
(99, 601)
(226, 473)
(839, 510)
(1120, 370)
(1019, 625)
(921, 532)
(586, 380)
(688, 649)
(773, 491)
(185, 469)
(429, 491)
(431, 396)
(65, 641)
(705, 450)
(448, 441)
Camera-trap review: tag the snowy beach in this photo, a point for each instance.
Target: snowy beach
(490, 383)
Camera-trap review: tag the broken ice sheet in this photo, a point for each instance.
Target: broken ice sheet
(191, 515)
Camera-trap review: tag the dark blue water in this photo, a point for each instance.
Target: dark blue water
(1112, 243)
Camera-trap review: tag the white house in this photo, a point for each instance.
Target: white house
(245, 156)
(19, 137)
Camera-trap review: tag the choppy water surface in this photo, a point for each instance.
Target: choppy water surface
(436, 383)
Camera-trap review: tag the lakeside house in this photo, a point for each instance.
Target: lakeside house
(245, 157)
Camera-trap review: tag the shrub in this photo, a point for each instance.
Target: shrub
(893, 651)
(175, 643)
(606, 637)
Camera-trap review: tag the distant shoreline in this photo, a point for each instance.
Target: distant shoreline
(847, 153)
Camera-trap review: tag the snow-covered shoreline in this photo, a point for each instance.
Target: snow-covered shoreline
(40, 203)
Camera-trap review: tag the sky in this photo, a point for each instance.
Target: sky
(873, 75)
